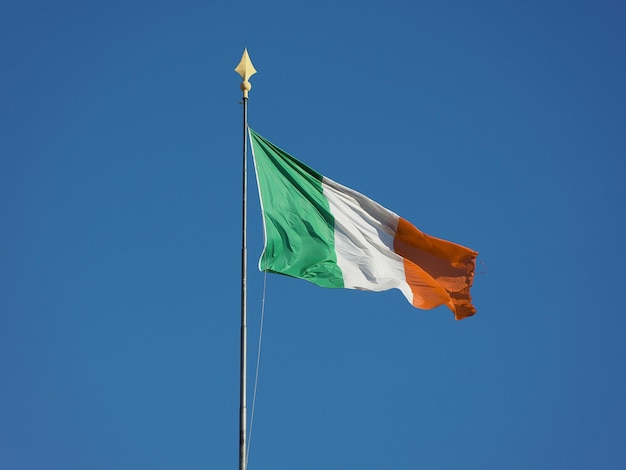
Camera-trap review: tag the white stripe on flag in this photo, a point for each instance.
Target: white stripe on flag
(364, 234)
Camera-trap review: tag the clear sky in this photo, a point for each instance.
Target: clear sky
(497, 125)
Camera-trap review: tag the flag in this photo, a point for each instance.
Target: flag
(324, 232)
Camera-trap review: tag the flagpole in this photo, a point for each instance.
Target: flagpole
(246, 70)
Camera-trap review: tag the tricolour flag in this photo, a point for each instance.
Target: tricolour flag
(321, 231)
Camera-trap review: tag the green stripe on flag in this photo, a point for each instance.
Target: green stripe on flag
(299, 227)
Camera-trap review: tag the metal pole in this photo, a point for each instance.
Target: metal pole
(244, 334)
(246, 70)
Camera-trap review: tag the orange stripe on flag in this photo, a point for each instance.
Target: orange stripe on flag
(439, 272)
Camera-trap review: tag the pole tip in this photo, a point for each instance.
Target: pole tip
(246, 70)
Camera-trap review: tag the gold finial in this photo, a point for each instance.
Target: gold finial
(246, 70)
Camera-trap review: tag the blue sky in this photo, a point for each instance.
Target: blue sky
(496, 125)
